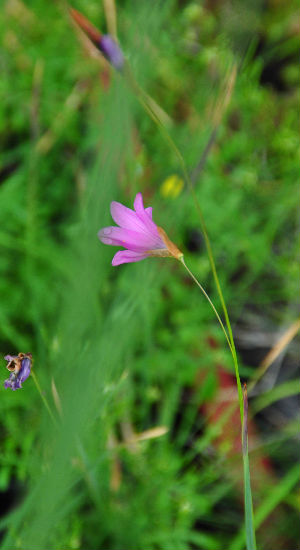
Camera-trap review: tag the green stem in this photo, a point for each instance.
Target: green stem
(208, 299)
(142, 97)
(39, 389)
(249, 519)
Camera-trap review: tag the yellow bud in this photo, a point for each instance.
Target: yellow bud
(172, 186)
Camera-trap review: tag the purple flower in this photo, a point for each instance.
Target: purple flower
(137, 233)
(20, 367)
(104, 42)
(110, 49)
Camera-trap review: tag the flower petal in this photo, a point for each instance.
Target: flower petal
(149, 211)
(13, 383)
(10, 357)
(126, 218)
(142, 214)
(127, 256)
(111, 51)
(25, 369)
(118, 236)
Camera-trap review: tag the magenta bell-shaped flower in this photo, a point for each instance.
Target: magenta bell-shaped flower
(137, 233)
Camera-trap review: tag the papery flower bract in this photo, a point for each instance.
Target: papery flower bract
(20, 368)
(104, 42)
(137, 233)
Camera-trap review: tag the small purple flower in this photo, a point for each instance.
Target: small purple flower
(104, 42)
(110, 49)
(137, 233)
(20, 367)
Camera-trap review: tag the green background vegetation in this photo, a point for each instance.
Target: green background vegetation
(134, 348)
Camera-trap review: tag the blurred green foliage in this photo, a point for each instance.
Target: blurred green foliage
(130, 349)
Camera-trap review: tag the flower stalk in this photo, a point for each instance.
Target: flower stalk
(249, 519)
(208, 299)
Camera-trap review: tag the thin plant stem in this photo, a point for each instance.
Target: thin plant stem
(249, 519)
(208, 299)
(142, 97)
(39, 389)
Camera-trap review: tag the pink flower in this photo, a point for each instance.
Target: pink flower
(137, 233)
